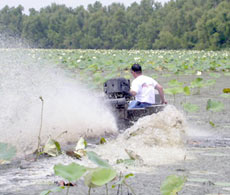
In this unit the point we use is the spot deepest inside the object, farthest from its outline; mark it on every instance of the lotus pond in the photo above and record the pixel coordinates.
(197, 83)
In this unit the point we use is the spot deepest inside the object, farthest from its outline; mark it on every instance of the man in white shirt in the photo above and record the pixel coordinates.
(143, 88)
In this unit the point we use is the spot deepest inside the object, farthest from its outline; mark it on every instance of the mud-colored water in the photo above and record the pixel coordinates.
(170, 142)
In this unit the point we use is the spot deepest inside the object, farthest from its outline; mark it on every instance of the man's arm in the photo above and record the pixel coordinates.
(133, 93)
(159, 88)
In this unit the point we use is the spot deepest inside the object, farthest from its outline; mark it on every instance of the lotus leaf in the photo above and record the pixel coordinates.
(97, 160)
(214, 106)
(99, 177)
(175, 83)
(52, 148)
(190, 107)
(172, 185)
(71, 172)
(123, 179)
(224, 95)
(187, 90)
(216, 75)
(81, 144)
(210, 82)
(58, 189)
(174, 91)
(198, 82)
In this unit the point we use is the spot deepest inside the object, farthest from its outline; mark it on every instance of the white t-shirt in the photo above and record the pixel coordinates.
(144, 86)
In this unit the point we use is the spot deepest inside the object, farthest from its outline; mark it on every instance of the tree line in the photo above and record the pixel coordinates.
(178, 24)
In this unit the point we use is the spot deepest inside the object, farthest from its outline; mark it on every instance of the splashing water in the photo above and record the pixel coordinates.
(155, 139)
(68, 106)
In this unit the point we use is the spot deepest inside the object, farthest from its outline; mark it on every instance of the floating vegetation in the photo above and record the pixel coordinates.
(226, 90)
(214, 106)
(172, 185)
(190, 107)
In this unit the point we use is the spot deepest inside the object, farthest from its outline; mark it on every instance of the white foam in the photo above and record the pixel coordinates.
(68, 105)
(157, 139)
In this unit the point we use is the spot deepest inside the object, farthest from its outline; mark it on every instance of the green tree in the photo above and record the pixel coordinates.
(11, 20)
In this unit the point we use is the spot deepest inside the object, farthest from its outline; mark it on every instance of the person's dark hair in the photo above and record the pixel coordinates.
(136, 68)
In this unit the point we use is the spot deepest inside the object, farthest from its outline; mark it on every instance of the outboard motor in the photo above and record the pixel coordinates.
(118, 95)
(117, 88)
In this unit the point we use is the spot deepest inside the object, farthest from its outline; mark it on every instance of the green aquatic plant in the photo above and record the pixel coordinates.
(210, 82)
(187, 90)
(175, 83)
(174, 91)
(119, 60)
(98, 177)
(80, 148)
(97, 160)
(166, 75)
(212, 123)
(197, 83)
(172, 185)
(57, 189)
(93, 177)
(7, 152)
(214, 106)
(40, 130)
(122, 181)
(226, 90)
(224, 95)
(216, 75)
(52, 148)
(101, 175)
(128, 161)
(190, 107)
(103, 140)
(71, 172)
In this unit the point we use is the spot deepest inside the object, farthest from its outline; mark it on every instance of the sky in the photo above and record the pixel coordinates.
(37, 4)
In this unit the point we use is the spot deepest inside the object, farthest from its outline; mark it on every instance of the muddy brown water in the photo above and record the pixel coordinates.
(206, 163)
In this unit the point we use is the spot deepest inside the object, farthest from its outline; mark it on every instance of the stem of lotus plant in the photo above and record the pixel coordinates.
(60, 135)
(40, 129)
(174, 99)
(198, 91)
(89, 190)
(68, 189)
(107, 190)
(129, 187)
(119, 185)
(118, 189)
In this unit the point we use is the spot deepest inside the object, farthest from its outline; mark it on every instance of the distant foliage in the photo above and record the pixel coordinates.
(178, 24)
